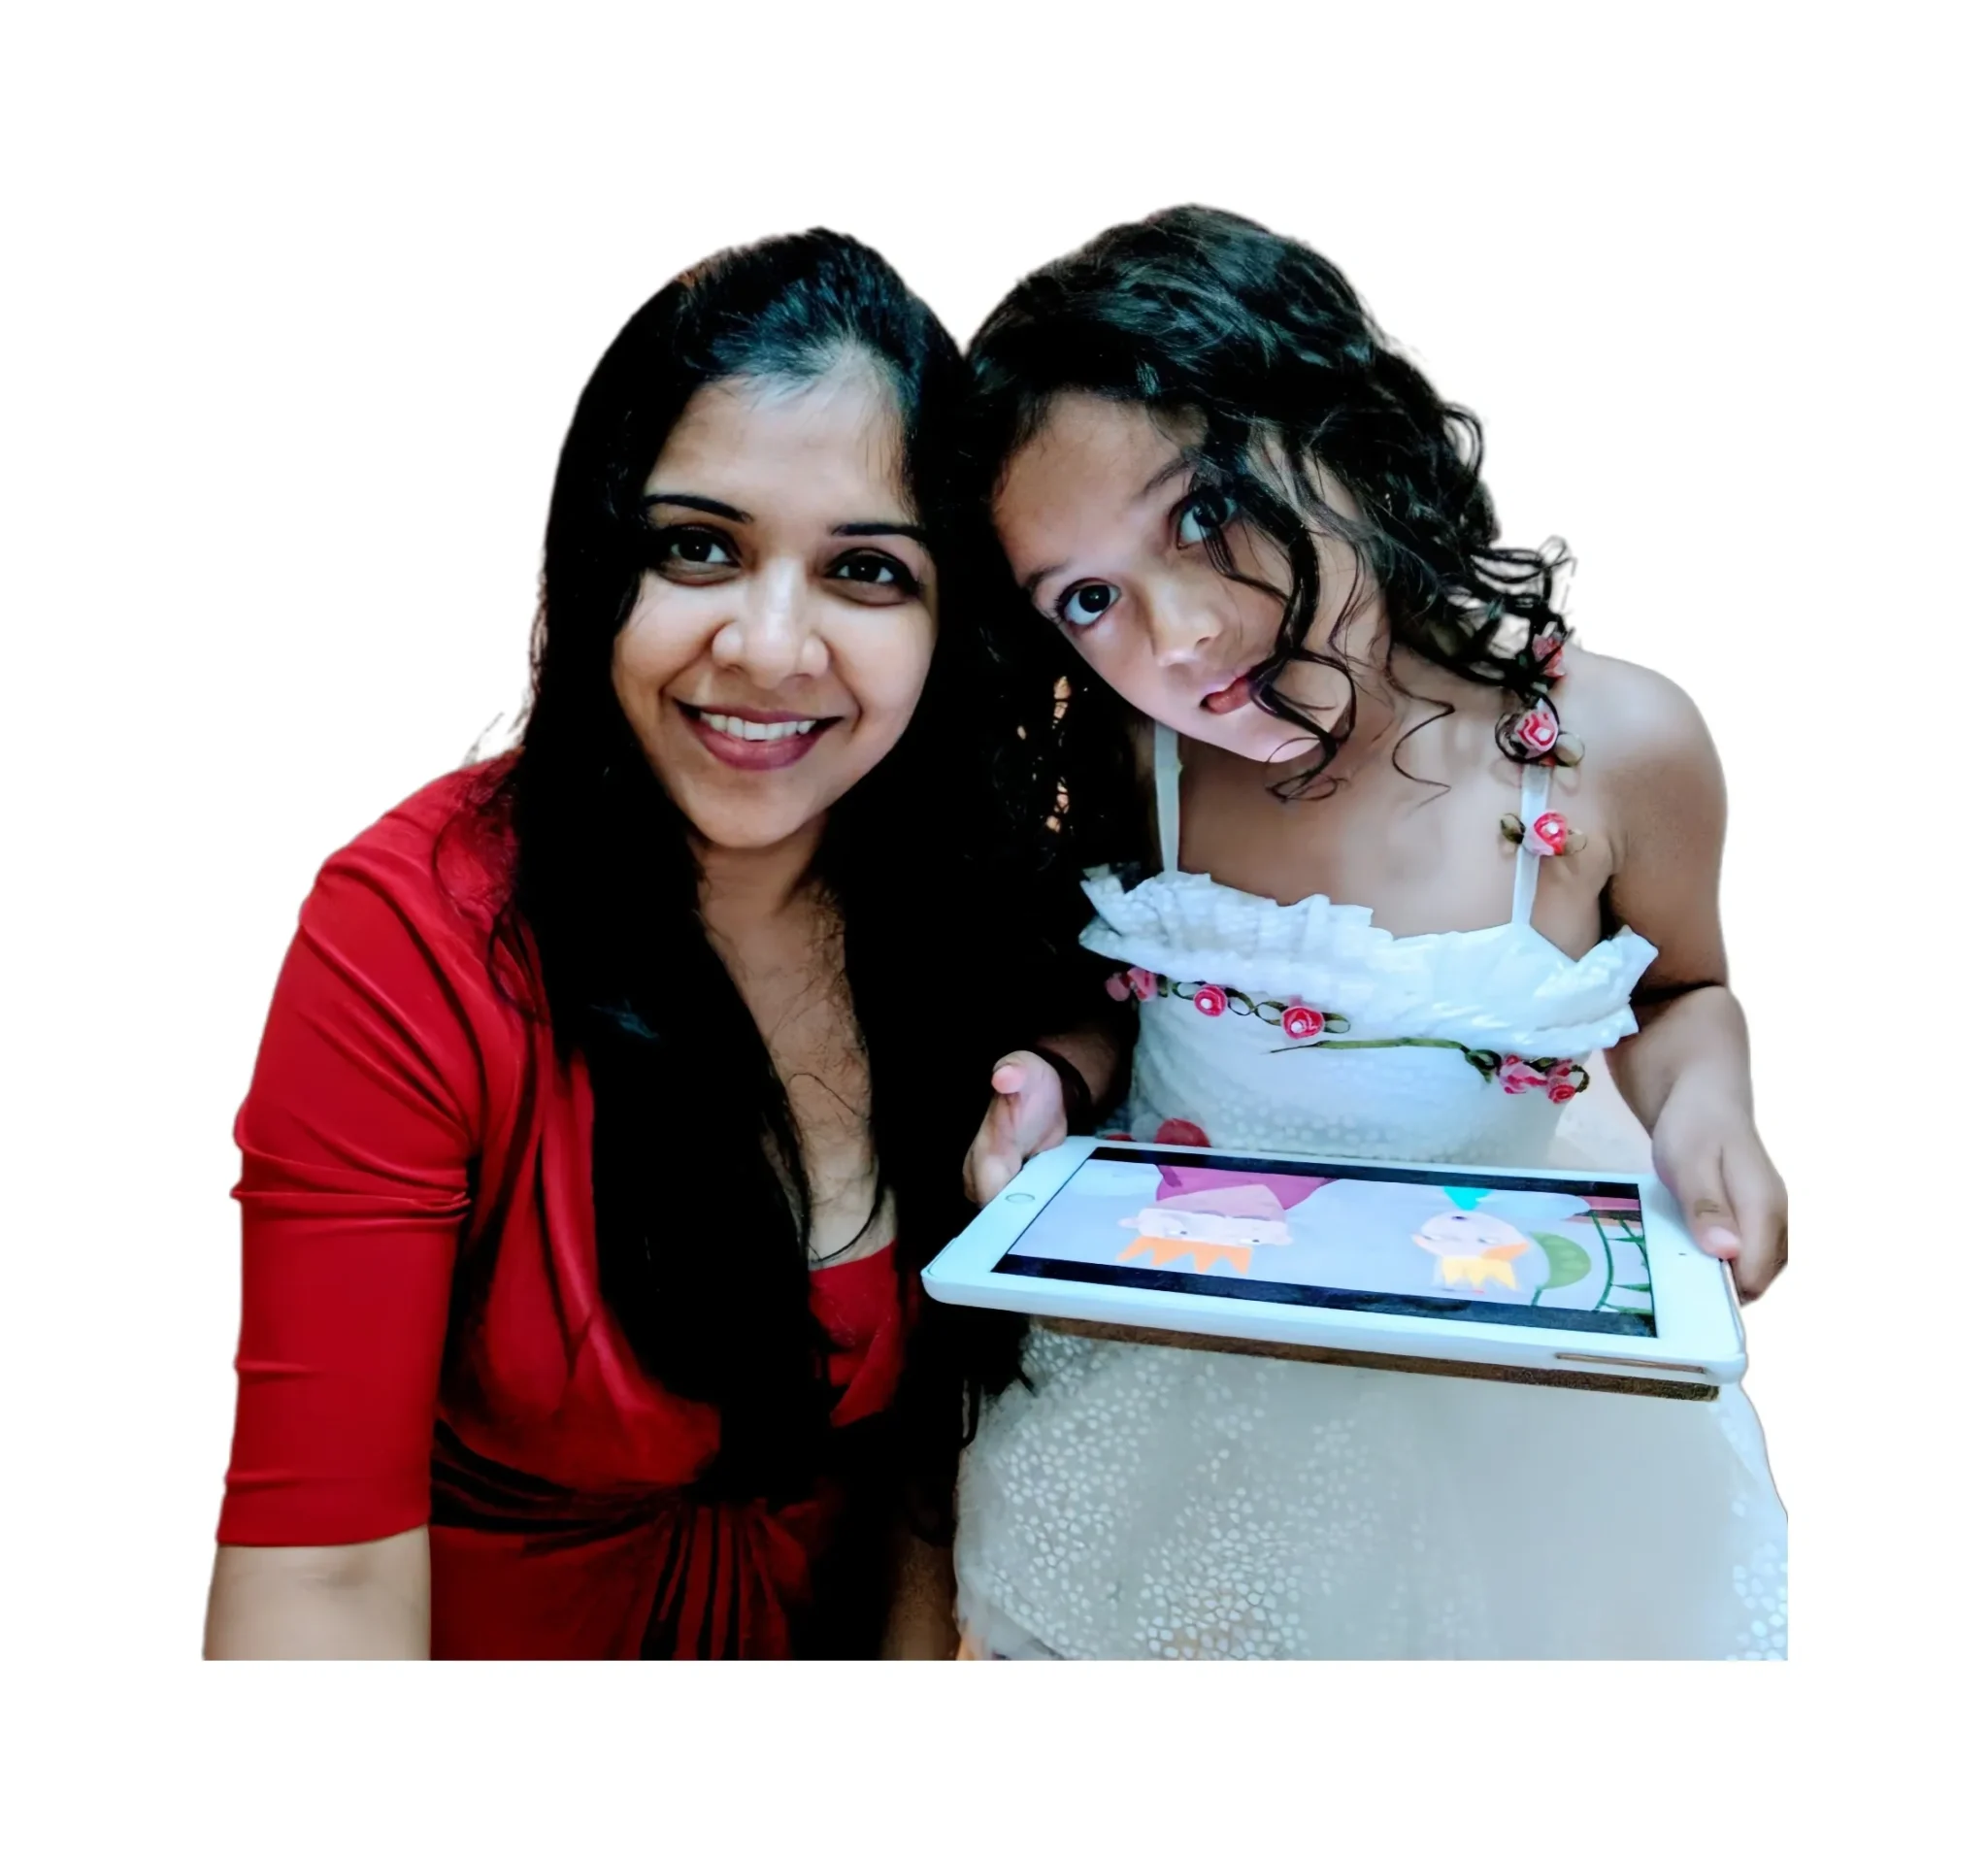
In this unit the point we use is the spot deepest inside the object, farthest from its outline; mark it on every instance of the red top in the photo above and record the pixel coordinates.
(424, 1338)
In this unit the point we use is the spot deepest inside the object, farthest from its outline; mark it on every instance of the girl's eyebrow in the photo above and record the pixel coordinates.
(1171, 469)
(909, 530)
(1042, 575)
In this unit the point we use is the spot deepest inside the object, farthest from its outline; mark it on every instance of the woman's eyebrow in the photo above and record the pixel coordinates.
(684, 499)
(910, 530)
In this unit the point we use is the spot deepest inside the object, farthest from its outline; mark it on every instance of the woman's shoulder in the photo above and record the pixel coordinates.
(436, 866)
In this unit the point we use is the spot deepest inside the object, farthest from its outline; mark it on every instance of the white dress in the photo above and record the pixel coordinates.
(1145, 1501)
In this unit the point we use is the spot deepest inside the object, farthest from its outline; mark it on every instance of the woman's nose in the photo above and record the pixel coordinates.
(771, 634)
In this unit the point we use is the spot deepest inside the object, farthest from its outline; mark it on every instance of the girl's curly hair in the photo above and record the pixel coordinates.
(1258, 347)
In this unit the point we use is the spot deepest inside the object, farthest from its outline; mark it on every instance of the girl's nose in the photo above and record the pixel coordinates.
(1182, 626)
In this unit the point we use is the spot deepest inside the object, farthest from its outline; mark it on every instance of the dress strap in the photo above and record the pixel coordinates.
(1536, 790)
(1167, 794)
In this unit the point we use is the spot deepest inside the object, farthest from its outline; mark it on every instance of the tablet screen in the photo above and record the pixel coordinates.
(1547, 1253)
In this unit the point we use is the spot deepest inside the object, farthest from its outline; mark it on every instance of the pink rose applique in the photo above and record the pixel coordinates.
(1566, 1081)
(1211, 1000)
(1548, 835)
(1119, 986)
(1548, 650)
(1537, 730)
(1145, 982)
(1562, 1079)
(1519, 1075)
(1302, 1022)
(1176, 1133)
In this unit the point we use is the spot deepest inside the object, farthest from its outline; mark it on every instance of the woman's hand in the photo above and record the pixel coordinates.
(1025, 1118)
(1710, 1156)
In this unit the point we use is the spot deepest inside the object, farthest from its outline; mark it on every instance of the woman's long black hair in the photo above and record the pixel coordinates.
(700, 1197)
(1257, 352)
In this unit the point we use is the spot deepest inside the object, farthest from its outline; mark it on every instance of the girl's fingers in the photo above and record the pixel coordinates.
(1760, 1204)
(1699, 1182)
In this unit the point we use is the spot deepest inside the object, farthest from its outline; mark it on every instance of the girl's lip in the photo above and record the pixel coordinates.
(1232, 695)
(737, 751)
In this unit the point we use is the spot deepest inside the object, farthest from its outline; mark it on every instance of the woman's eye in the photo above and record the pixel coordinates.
(1202, 517)
(696, 549)
(872, 571)
(1088, 603)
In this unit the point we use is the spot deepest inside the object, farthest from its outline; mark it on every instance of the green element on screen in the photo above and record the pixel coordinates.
(1567, 1262)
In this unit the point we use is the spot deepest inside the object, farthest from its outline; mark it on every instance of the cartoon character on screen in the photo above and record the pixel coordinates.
(1472, 1249)
(1214, 1214)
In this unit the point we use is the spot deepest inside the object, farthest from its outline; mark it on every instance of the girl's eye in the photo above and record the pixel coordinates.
(873, 569)
(1088, 603)
(1202, 518)
(696, 549)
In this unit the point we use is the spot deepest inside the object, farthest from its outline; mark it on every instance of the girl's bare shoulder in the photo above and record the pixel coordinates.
(1634, 723)
(1652, 771)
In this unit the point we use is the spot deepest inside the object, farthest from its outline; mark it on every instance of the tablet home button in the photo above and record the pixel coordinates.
(1021, 1199)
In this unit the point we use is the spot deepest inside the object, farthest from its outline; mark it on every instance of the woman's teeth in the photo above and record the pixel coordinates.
(749, 732)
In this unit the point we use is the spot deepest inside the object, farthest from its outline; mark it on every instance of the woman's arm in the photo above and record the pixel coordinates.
(1687, 1072)
(920, 1623)
(356, 1141)
(352, 1600)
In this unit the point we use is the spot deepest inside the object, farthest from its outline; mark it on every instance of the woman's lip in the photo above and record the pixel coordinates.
(735, 751)
(1232, 696)
(751, 716)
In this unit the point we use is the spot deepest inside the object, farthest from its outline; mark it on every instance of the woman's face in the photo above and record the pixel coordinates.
(777, 652)
(1106, 537)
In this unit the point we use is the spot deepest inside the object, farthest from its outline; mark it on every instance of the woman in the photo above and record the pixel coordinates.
(1324, 725)
(613, 1092)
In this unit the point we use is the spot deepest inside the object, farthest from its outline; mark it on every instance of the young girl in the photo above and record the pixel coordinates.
(1411, 859)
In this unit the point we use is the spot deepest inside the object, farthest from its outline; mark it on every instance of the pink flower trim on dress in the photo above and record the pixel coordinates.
(1537, 730)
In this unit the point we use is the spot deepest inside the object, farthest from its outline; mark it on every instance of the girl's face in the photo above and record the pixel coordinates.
(775, 652)
(1106, 538)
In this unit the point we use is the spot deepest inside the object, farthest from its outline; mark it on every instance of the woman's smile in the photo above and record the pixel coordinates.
(755, 739)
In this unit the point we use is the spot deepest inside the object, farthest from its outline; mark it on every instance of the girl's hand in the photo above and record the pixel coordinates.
(1714, 1161)
(1025, 1118)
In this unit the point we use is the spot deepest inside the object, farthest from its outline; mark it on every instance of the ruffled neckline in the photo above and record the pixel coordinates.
(1505, 985)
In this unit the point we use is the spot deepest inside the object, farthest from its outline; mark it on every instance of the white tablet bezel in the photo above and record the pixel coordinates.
(1701, 1342)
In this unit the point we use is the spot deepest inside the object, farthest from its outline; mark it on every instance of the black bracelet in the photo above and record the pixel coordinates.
(1079, 1111)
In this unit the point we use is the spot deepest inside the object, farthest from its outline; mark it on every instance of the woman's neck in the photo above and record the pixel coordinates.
(743, 887)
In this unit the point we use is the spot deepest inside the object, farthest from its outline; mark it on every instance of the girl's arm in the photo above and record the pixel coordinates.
(352, 1600)
(1031, 1105)
(1686, 1074)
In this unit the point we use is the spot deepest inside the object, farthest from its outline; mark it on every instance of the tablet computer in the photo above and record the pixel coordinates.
(1527, 1274)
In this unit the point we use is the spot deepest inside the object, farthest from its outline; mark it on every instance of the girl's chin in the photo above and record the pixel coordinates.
(1255, 737)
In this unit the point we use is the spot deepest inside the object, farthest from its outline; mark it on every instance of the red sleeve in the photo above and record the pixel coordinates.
(356, 1142)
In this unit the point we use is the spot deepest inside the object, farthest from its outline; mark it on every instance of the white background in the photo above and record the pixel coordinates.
(297, 304)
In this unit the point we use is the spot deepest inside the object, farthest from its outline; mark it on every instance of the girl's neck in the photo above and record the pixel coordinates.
(1402, 694)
